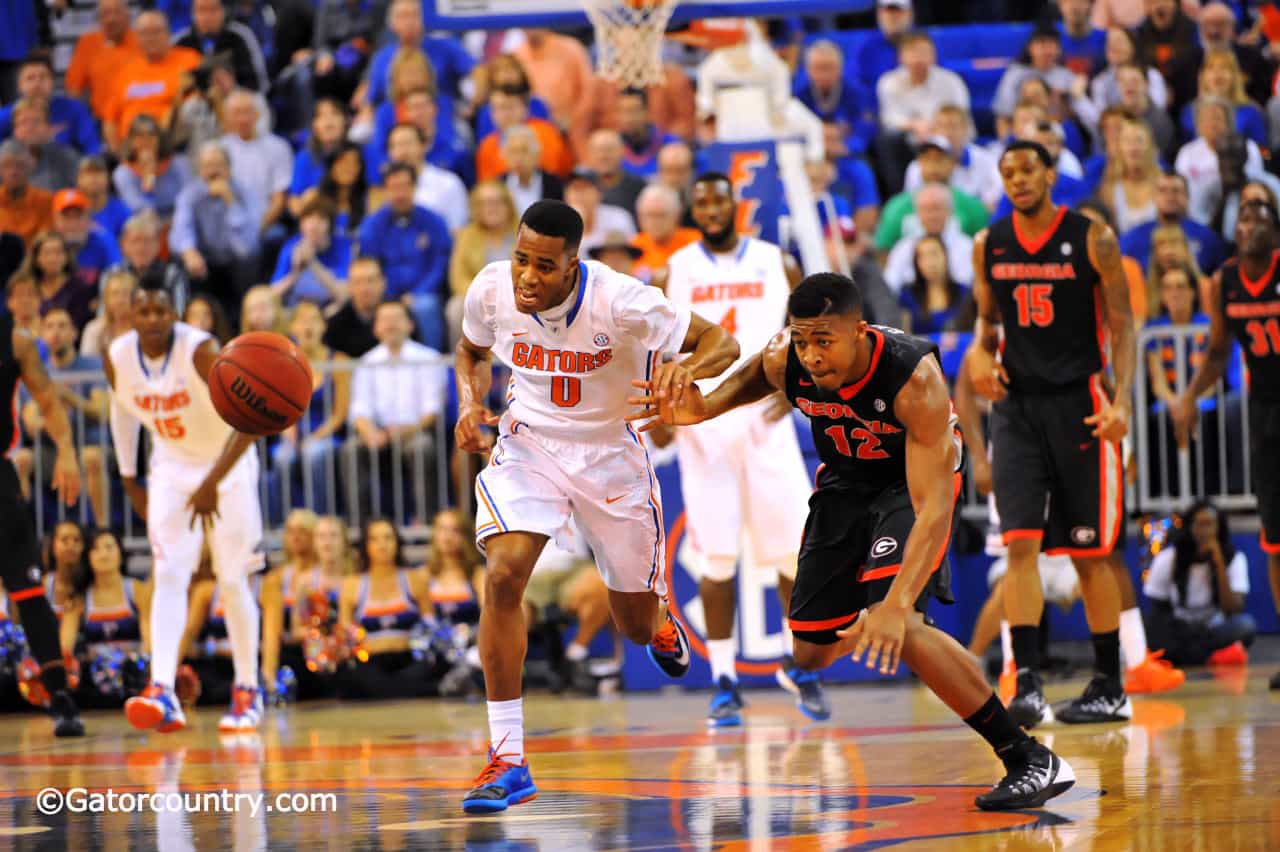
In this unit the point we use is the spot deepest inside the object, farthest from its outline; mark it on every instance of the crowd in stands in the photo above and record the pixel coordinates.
(342, 175)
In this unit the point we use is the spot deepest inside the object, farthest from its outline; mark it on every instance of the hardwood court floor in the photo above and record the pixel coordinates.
(1198, 769)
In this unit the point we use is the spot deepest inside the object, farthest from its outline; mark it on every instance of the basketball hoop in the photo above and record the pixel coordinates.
(629, 39)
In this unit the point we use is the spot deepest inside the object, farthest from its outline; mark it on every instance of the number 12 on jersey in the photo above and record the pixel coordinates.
(868, 448)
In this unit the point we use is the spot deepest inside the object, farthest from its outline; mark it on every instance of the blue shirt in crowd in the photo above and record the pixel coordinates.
(413, 250)
(308, 171)
(1205, 244)
(451, 62)
(854, 109)
(99, 252)
(308, 288)
(1083, 55)
(69, 119)
(112, 216)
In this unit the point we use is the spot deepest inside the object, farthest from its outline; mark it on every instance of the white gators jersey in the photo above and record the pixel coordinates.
(170, 400)
(571, 379)
(745, 292)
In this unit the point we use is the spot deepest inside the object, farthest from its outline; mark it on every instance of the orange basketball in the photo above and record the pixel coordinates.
(260, 383)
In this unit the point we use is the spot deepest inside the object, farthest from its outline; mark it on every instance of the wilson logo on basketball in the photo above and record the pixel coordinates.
(255, 401)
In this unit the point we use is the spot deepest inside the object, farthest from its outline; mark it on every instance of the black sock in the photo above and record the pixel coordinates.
(1026, 646)
(995, 725)
(1106, 649)
(41, 627)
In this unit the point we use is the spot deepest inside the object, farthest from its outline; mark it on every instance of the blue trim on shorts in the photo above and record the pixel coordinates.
(492, 504)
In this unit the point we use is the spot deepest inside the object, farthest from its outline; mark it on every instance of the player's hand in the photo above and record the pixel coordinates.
(1111, 423)
(986, 373)
(655, 412)
(469, 433)
(204, 503)
(66, 476)
(1184, 413)
(670, 381)
(981, 474)
(879, 632)
(778, 408)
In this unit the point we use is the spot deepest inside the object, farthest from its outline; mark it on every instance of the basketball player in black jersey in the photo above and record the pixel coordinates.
(1244, 303)
(19, 551)
(879, 526)
(1049, 287)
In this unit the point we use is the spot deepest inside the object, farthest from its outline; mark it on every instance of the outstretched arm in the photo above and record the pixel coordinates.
(712, 350)
(66, 470)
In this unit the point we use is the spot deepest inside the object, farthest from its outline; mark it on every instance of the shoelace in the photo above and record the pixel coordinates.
(496, 766)
(1026, 779)
(667, 641)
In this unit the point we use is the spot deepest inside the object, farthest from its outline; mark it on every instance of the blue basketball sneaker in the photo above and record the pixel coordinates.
(726, 704)
(157, 708)
(500, 785)
(669, 648)
(806, 687)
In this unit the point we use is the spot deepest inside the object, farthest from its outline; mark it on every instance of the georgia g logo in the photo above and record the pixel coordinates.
(883, 547)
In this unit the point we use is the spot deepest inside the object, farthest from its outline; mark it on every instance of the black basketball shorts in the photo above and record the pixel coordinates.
(19, 550)
(851, 552)
(1264, 468)
(1053, 480)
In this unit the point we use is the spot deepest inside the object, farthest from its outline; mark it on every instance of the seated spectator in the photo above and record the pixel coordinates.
(559, 70)
(216, 226)
(937, 162)
(934, 302)
(510, 108)
(95, 250)
(605, 157)
(658, 212)
(211, 33)
(99, 55)
(642, 136)
(433, 115)
(410, 72)
(1177, 291)
(455, 570)
(440, 191)
(1083, 44)
(675, 171)
(262, 163)
(25, 210)
(22, 301)
(344, 187)
(909, 96)
(1104, 90)
(206, 314)
(525, 180)
(311, 445)
(617, 253)
(1129, 183)
(350, 330)
(1218, 30)
(1166, 41)
(450, 62)
(140, 242)
(1041, 58)
(94, 181)
(835, 98)
(878, 54)
(200, 116)
(328, 132)
(343, 38)
(50, 263)
(582, 193)
(261, 310)
(398, 393)
(488, 236)
(1220, 77)
(70, 122)
(412, 245)
(1135, 99)
(1169, 250)
(503, 71)
(149, 84)
(312, 266)
(1171, 201)
(975, 171)
(55, 164)
(932, 218)
(849, 182)
(1096, 211)
(1197, 586)
(1234, 174)
(116, 317)
(150, 175)
(1034, 90)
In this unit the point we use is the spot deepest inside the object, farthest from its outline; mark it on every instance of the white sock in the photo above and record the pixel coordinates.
(1133, 638)
(1006, 644)
(242, 628)
(168, 621)
(506, 728)
(721, 652)
(575, 653)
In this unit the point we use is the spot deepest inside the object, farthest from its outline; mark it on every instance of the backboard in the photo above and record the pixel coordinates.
(567, 14)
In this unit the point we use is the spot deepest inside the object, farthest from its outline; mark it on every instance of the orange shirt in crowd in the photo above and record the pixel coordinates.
(670, 108)
(657, 254)
(555, 157)
(559, 73)
(1137, 290)
(149, 88)
(94, 65)
(28, 215)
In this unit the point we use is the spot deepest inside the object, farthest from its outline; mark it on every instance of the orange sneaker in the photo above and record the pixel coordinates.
(1007, 687)
(1154, 674)
(1232, 655)
(156, 708)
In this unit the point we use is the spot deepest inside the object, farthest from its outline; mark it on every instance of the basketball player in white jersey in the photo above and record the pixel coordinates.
(200, 482)
(742, 474)
(575, 334)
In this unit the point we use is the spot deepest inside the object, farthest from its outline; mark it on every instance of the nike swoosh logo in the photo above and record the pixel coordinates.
(519, 333)
(803, 383)
(1086, 446)
(997, 251)
(612, 500)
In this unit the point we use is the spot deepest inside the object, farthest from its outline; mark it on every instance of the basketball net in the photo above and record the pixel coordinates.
(629, 39)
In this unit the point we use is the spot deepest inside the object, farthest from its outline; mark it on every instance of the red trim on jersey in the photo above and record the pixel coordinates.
(824, 624)
(26, 594)
(1255, 288)
(1267, 547)
(1015, 535)
(1033, 246)
(850, 391)
(878, 573)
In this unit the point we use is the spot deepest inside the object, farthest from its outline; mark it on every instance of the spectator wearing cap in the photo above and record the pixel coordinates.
(93, 248)
(617, 252)
(312, 266)
(582, 193)
(878, 54)
(977, 169)
(510, 108)
(412, 246)
(937, 163)
(1172, 200)
(932, 217)
(55, 164)
(150, 175)
(152, 82)
(1083, 45)
(69, 120)
(25, 210)
(834, 96)
(440, 191)
(908, 96)
(658, 212)
(211, 34)
(1041, 58)
(99, 53)
(525, 179)
(1167, 41)
(140, 249)
(93, 180)
(604, 157)
(261, 162)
